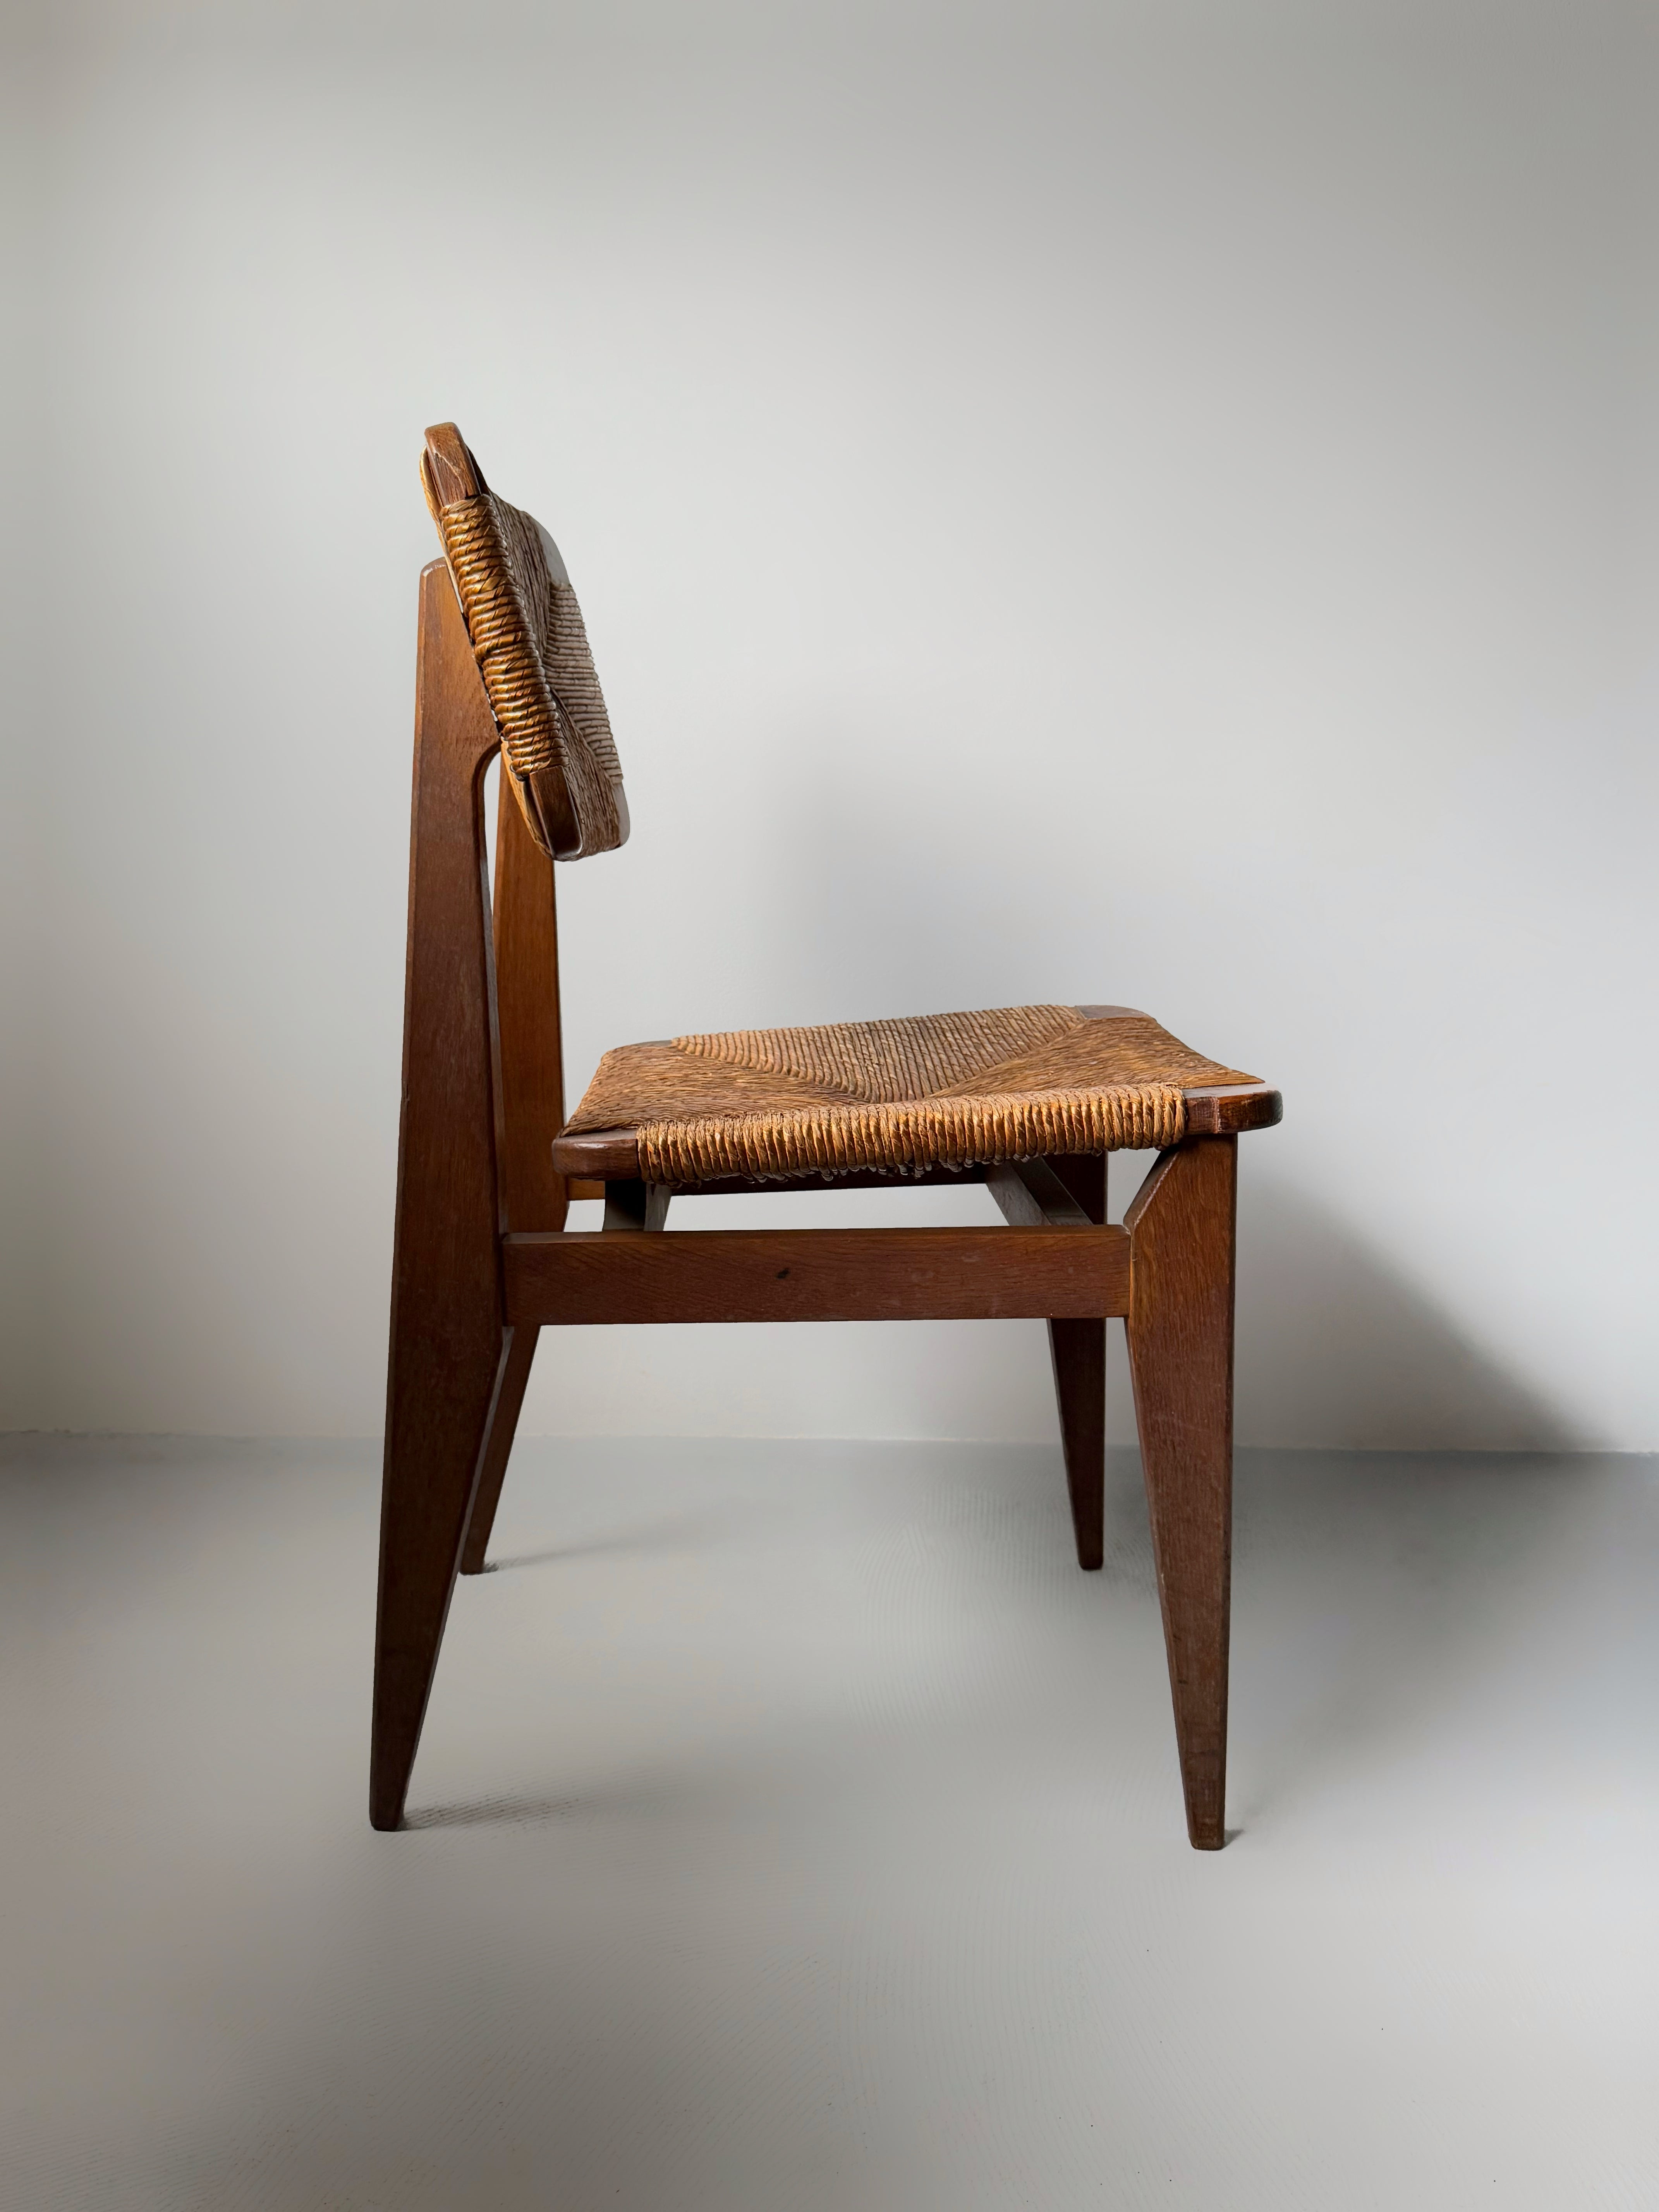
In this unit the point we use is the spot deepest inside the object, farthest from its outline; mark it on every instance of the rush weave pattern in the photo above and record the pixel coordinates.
(531, 645)
(890, 1060)
(928, 1090)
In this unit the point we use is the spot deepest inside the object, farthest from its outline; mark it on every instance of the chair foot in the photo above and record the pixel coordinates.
(1181, 1356)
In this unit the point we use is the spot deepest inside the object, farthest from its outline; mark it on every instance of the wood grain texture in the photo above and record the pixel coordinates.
(447, 1326)
(529, 1109)
(818, 1275)
(532, 1094)
(1030, 1196)
(521, 1355)
(1181, 1228)
(451, 470)
(1229, 1109)
(1076, 1353)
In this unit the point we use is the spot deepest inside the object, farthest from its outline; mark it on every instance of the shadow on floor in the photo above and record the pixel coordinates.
(678, 1532)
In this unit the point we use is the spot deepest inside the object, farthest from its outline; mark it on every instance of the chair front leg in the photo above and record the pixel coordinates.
(1181, 1356)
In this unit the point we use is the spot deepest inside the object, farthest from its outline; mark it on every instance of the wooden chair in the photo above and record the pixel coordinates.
(1027, 1100)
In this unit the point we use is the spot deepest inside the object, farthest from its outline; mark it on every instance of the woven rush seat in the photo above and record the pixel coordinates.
(903, 1095)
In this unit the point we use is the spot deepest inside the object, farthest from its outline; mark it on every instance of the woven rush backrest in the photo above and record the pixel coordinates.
(532, 649)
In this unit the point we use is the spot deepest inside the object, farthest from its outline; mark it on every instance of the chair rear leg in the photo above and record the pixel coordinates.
(498, 1445)
(1078, 1350)
(1181, 1357)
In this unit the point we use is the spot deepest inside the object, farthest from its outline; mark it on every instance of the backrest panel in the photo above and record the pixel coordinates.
(530, 646)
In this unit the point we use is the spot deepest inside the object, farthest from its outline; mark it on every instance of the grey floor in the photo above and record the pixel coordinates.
(796, 1828)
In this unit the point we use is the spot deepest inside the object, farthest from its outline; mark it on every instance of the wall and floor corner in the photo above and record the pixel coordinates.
(1146, 504)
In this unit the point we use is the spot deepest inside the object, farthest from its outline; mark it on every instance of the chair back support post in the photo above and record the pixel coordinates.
(449, 1336)
(531, 1064)
(530, 1112)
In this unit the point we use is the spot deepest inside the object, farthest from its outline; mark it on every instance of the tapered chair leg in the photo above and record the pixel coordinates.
(1079, 1351)
(498, 1446)
(1181, 1356)
(434, 1455)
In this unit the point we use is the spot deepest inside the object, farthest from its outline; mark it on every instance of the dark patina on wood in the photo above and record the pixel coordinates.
(483, 1261)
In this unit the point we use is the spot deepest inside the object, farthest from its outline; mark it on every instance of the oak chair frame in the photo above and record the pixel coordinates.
(482, 1260)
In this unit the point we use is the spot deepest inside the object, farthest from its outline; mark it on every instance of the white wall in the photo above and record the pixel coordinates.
(1145, 503)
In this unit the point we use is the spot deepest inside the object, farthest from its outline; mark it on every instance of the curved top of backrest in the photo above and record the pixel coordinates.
(531, 650)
